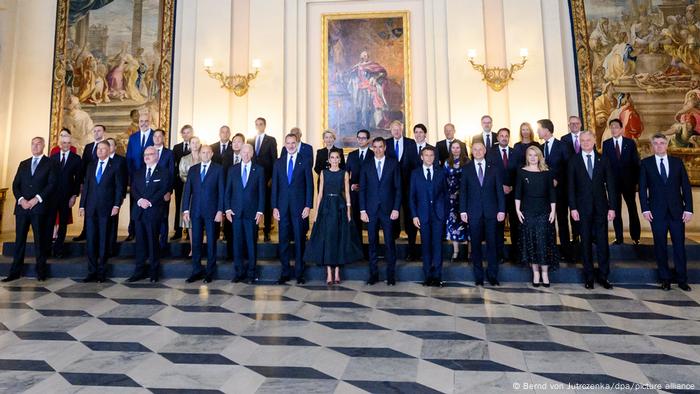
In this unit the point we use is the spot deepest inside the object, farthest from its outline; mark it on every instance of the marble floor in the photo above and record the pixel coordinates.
(65, 336)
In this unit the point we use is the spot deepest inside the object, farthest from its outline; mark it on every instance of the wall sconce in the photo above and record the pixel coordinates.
(237, 83)
(497, 77)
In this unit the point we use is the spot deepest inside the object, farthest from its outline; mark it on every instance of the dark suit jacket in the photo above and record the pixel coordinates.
(120, 163)
(520, 149)
(167, 162)
(295, 196)
(380, 196)
(134, 151)
(495, 158)
(674, 196)
(179, 153)
(626, 168)
(98, 199)
(69, 180)
(354, 166)
(591, 197)
(481, 201)
(568, 142)
(245, 202)
(42, 183)
(89, 154)
(153, 191)
(267, 155)
(322, 159)
(480, 137)
(557, 161)
(204, 199)
(444, 150)
(429, 199)
(218, 158)
(305, 150)
(409, 161)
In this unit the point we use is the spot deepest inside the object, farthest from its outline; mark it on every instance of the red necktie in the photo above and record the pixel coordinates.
(505, 158)
(617, 149)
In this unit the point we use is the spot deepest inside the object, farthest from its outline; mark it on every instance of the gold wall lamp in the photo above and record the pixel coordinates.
(497, 77)
(237, 83)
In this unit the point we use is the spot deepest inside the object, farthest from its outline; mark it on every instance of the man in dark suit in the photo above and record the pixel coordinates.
(149, 186)
(430, 207)
(292, 199)
(234, 157)
(90, 154)
(404, 150)
(67, 189)
(119, 162)
(420, 135)
(623, 156)
(33, 187)
(245, 204)
(203, 206)
(487, 137)
(305, 150)
(572, 143)
(356, 159)
(101, 199)
(380, 201)
(667, 203)
(556, 155)
(166, 162)
(179, 151)
(482, 204)
(591, 198)
(265, 156)
(223, 146)
(138, 142)
(503, 157)
(443, 146)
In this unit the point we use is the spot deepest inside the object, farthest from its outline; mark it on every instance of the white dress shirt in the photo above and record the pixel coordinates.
(38, 197)
(144, 136)
(658, 163)
(425, 172)
(483, 166)
(104, 165)
(362, 153)
(585, 159)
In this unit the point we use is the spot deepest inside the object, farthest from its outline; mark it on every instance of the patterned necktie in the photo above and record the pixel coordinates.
(589, 166)
(577, 146)
(203, 173)
(236, 160)
(481, 175)
(664, 174)
(505, 157)
(98, 177)
(488, 140)
(148, 175)
(245, 175)
(379, 169)
(617, 149)
(290, 170)
(35, 163)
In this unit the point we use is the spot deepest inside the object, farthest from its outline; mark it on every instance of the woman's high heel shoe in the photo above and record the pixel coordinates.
(337, 281)
(535, 284)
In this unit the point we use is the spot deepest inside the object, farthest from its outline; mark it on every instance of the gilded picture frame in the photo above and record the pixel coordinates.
(366, 73)
(151, 53)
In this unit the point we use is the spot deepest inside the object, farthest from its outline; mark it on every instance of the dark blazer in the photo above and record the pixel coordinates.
(675, 196)
(267, 155)
(354, 166)
(42, 183)
(591, 197)
(481, 201)
(69, 180)
(153, 191)
(429, 199)
(134, 151)
(305, 150)
(167, 162)
(204, 199)
(409, 158)
(99, 199)
(245, 202)
(179, 153)
(380, 196)
(444, 150)
(322, 159)
(120, 163)
(218, 158)
(557, 161)
(520, 148)
(298, 194)
(495, 158)
(626, 168)
(480, 137)
(89, 154)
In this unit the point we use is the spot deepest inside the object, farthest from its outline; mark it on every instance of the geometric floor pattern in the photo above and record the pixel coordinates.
(170, 337)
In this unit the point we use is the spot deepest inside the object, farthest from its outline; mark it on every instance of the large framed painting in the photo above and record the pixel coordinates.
(112, 63)
(366, 73)
(638, 60)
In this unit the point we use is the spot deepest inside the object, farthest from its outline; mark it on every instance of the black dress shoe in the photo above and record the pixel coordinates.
(438, 283)
(10, 278)
(494, 282)
(101, 278)
(237, 279)
(301, 281)
(427, 282)
(372, 280)
(90, 278)
(208, 278)
(79, 238)
(129, 238)
(136, 277)
(589, 284)
(479, 282)
(266, 238)
(684, 286)
(41, 277)
(283, 280)
(177, 236)
(195, 277)
(617, 242)
(666, 286)
(154, 279)
(391, 282)
(606, 285)
(250, 281)
(636, 242)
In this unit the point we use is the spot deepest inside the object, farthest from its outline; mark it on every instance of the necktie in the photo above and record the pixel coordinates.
(420, 149)
(379, 169)
(396, 149)
(257, 144)
(223, 148)
(362, 157)
(94, 148)
(203, 173)
(429, 176)
(505, 157)
(664, 174)
(236, 160)
(481, 175)
(577, 146)
(290, 169)
(245, 175)
(186, 149)
(617, 149)
(98, 177)
(148, 175)
(143, 140)
(488, 140)
(546, 150)
(35, 163)
(589, 166)
(63, 159)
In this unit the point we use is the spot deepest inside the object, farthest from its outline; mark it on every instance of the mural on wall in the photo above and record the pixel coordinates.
(639, 61)
(112, 62)
(366, 73)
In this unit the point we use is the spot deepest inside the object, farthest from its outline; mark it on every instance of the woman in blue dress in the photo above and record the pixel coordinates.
(457, 230)
(334, 240)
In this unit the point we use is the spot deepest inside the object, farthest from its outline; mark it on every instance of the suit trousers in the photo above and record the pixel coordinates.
(514, 224)
(39, 224)
(481, 229)
(199, 226)
(147, 245)
(563, 221)
(292, 222)
(178, 203)
(630, 197)
(375, 221)
(594, 226)
(431, 236)
(98, 235)
(244, 231)
(63, 213)
(660, 227)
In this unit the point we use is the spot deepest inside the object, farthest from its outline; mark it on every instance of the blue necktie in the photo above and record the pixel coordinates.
(488, 140)
(143, 140)
(257, 145)
(664, 174)
(589, 166)
(98, 177)
(379, 169)
(35, 163)
(481, 175)
(148, 175)
(203, 173)
(396, 149)
(290, 169)
(245, 175)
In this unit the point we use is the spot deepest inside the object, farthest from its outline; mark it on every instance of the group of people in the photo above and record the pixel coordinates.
(442, 192)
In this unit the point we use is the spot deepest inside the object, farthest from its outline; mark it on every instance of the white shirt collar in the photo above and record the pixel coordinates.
(206, 164)
(425, 168)
(665, 157)
(111, 156)
(363, 150)
(584, 154)
(618, 139)
(153, 167)
(146, 133)
(37, 157)
(377, 160)
(476, 162)
(421, 145)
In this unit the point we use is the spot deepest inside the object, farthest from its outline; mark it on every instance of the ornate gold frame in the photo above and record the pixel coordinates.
(583, 62)
(59, 67)
(405, 15)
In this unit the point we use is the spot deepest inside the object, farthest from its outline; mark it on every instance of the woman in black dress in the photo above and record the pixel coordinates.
(527, 139)
(535, 204)
(334, 240)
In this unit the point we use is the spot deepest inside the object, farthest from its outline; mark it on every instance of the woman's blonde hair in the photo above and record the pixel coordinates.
(198, 141)
(541, 164)
(529, 126)
(328, 131)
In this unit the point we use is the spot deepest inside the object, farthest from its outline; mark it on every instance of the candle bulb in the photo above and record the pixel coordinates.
(471, 53)
(208, 62)
(523, 52)
(257, 63)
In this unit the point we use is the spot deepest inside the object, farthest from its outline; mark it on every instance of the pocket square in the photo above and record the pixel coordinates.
(156, 180)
